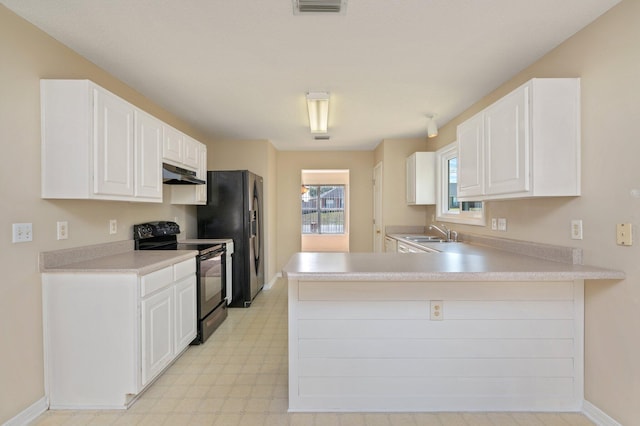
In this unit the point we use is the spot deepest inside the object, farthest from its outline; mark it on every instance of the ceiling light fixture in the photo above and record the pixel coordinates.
(318, 106)
(432, 126)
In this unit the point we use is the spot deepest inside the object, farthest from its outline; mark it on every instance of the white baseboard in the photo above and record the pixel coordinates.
(598, 416)
(29, 414)
(270, 284)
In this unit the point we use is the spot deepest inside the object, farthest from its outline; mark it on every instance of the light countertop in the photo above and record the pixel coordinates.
(137, 262)
(117, 257)
(460, 262)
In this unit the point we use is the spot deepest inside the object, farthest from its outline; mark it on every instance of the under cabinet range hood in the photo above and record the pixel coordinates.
(174, 175)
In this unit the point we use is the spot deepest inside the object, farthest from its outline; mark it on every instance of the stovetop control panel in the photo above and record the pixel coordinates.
(155, 229)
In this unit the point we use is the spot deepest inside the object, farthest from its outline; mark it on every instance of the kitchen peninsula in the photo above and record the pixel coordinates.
(466, 328)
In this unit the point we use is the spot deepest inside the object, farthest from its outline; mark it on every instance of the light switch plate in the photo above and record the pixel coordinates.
(624, 234)
(502, 224)
(113, 226)
(22, 232)
(494, 224)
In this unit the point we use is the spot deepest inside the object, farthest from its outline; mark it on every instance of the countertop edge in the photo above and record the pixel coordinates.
(455, 276)
(146, 262)
(475, 264)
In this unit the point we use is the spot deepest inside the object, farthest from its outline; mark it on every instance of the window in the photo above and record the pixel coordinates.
(323, 209)
(448, 208)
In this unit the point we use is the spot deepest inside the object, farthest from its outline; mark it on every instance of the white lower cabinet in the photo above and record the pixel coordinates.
(157, 333)
(408, 248)
(107, 336)
(390, 245)
(185, 311)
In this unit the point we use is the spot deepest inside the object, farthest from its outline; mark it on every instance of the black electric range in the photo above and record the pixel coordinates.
(211, 303)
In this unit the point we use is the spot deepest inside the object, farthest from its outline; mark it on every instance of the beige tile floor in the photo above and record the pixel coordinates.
(239, 377)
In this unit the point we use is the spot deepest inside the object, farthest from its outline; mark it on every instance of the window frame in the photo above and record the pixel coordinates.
(319, 209)
(443, 214)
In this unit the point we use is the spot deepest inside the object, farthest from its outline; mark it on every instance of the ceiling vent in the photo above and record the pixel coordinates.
(322, 137)
(303, 7)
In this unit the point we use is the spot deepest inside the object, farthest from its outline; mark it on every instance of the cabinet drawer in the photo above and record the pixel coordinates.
(185, 268)
(156, 280)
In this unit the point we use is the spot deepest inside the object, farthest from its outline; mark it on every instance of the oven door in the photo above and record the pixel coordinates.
(211, 281)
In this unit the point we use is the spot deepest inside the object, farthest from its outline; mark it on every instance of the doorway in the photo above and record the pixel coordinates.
(324, 209)
(378, 234)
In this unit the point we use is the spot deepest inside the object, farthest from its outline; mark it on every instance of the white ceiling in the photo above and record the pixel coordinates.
(239, 69)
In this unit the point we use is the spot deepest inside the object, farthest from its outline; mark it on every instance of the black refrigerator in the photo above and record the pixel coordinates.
(234, 210)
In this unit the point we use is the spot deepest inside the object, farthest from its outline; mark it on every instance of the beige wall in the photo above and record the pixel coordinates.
(258, 156)
(290, 166)
(607, 58)
(393, 154)
(28, 55)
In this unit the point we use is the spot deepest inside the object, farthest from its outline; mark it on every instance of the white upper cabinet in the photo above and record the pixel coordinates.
(193, 194)
(191, 152)
(90, 145)
(526, 144)
(470, 153)
(181, 150)
(421, 178)
(201, 190)
(148, 136)
(113, 144)
(173, 146)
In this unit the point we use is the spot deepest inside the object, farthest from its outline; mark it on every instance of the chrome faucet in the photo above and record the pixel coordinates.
(444, 231)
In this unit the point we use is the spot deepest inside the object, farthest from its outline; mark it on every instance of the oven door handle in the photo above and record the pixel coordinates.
(213, 254)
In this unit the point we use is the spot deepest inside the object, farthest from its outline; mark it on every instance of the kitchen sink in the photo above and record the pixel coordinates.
(425, 239)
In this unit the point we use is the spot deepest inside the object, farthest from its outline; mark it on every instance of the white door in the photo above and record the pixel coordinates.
(470, 157)
(378, 235)
(157, 333)
(148, 158)
(186, 315)
(113, 145)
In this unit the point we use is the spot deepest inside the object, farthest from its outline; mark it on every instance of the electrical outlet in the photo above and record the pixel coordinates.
(63, 230)
(623, 234)
(576, 229)
(437, 310)
(113, 226)
(502, 224)
(494, 224)
(22, 232)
